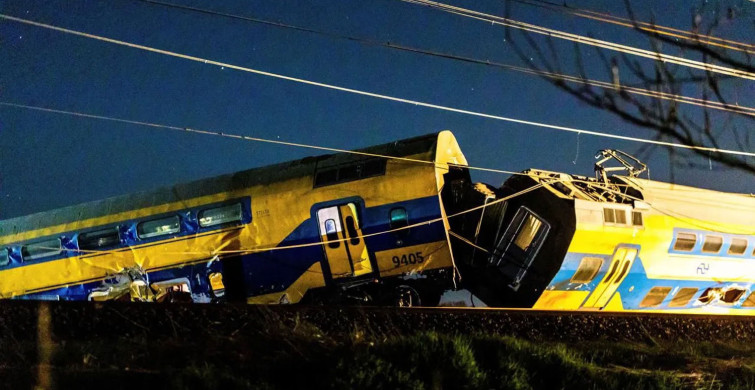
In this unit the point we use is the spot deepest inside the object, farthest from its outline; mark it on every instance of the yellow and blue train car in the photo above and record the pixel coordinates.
(622, 244)
(339, 227)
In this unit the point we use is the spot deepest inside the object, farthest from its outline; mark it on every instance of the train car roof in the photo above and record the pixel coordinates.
(716, 207)
(420, 148)
(714, 210)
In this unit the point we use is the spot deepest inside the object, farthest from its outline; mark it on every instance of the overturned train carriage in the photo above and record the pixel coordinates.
(613, 243)
(359, 228)
(335, 228)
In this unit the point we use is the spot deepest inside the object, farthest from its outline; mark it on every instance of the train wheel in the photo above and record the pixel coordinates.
(407, 296)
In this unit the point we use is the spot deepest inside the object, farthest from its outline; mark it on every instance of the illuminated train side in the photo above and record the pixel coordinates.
(361, 229)
(576, 243)
(308, 229)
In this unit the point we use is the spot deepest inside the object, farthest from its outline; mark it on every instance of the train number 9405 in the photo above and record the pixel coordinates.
(407, 259)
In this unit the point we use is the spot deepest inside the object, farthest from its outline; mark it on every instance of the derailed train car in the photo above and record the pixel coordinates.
(609, 243)
(279, 234)
(362, 229)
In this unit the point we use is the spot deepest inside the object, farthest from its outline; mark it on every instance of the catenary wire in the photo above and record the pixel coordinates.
(641, 25)
(302, 145)
(376, 95)
(552, 75)
(584, 39)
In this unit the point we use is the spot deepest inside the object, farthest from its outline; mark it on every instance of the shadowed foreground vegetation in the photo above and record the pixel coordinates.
(272, 351)
(420, 361)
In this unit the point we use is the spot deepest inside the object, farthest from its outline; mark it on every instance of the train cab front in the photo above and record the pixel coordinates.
(512, 243)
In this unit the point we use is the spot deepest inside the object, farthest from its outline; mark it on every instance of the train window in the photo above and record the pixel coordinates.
(655, 297)
(4, 257)
(349, 172)
(637, 218)
(738, 246)
(399, 218)
(609, 216)
(41, 249)
(220, 215)
(324, 178)
(351, 229)
(158, 227)
(519, 245)
(588, 268)
(732, 295)
(373, 168)
(617, 216)
(331, 233)
(710, 295)
(712, 244)
(527, 234)
(750, 301)
(99, 239)
(685, 242)
(683, 297)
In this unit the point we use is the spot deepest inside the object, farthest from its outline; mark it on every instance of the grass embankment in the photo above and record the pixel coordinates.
(221, 347)
(305, 358)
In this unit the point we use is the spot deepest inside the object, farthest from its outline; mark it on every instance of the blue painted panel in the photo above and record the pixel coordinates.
(636, 285)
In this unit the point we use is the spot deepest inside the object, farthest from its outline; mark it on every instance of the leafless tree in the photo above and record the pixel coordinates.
(665, 117)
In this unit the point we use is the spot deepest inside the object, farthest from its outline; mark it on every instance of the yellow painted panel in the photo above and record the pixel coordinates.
(615, 303)
(434, 255)
(560, 300)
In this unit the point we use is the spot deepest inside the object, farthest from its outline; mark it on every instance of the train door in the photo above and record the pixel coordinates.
(618, 270)
(519, 245)
(341, 234)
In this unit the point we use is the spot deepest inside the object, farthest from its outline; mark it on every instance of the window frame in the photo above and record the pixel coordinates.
(676, 299)
(615, 212)
(641, 218)
(51, 253)
(115, 229)
(580, 268)
(349, 171)
(744, 248)
(651, 298)
(706, 242)
(678, 236)
(158, 234)
(4, 260)
(214, 224)
(510, 235)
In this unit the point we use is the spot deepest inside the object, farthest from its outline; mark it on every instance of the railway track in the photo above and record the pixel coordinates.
(81, 321)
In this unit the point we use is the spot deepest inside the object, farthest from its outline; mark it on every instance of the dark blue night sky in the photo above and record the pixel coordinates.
(50, 160)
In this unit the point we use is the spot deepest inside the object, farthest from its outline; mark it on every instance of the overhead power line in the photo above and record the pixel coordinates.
(354, 152)
(376, 95)
(644, 26)
(551, 75)
(298, 144)
(585, 40)
(243, 137)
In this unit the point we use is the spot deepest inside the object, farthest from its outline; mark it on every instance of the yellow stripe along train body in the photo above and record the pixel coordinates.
(359, 228)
